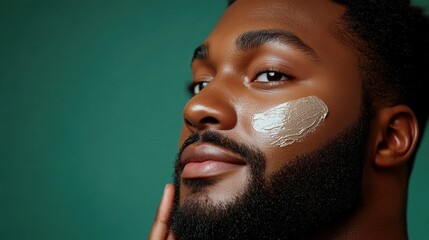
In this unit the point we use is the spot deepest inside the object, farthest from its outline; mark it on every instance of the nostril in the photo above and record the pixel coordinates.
(209, 120)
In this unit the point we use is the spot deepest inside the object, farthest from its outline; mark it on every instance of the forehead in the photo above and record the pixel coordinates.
(318, 12)
(316, 22)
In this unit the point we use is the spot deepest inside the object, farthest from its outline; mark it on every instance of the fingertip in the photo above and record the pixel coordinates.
(166, 203)
(160, 228)
(168, 193)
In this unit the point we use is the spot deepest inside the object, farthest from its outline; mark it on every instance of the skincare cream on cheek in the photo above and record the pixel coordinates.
(291, 121)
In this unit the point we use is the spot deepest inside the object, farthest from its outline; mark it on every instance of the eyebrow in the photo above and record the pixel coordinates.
(201, 52)
(251, 40)
(254, 39)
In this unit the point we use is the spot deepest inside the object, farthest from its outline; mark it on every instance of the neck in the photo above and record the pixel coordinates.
(383, 212)
(369, 227)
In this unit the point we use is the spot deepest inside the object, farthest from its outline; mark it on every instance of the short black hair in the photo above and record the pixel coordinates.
(392, 37)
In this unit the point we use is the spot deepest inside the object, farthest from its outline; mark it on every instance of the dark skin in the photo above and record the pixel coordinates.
(239, 86)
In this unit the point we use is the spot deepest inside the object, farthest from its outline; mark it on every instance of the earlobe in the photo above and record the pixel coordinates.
(397, 136)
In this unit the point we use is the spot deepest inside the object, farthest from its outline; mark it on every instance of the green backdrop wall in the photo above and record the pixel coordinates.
(91, 94)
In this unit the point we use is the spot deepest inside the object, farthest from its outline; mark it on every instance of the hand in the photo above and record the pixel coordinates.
(160, 228)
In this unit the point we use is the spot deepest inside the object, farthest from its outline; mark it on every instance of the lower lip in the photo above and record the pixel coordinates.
(207, 169)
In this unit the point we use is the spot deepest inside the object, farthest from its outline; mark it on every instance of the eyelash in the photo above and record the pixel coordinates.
(190, 86)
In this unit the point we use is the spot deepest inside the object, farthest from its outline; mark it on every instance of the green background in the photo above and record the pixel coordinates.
(91, 94)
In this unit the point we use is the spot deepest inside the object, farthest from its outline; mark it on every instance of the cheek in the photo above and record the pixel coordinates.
(290, 122)
(185, 133)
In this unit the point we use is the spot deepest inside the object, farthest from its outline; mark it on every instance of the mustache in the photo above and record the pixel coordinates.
(250, 154)
(218, 140)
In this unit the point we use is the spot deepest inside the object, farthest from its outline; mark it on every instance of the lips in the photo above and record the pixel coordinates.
(207, 160)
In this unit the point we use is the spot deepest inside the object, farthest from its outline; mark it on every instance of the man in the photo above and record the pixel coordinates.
(304, 123)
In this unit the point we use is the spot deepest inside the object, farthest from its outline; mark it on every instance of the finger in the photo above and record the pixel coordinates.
(160, 227)
(170, 237)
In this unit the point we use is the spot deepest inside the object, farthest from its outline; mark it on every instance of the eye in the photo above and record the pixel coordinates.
(196, 87)
(199, 86)
(272, 76)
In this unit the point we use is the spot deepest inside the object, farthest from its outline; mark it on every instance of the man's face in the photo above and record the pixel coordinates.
(275, 89)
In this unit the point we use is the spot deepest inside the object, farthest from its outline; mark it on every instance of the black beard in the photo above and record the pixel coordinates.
(313, 193)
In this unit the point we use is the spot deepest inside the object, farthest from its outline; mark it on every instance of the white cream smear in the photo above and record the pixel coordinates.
(291, 121)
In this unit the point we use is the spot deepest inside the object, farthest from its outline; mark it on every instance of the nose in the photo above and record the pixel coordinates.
(212, 108)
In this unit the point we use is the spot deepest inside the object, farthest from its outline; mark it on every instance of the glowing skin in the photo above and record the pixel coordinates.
(305, 42)
(233, 76)
(291, 121)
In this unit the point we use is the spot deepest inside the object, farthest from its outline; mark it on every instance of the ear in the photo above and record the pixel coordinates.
(396, 136)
